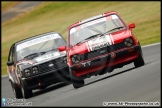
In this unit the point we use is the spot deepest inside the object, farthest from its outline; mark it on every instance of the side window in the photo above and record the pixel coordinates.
(59, 42)
(11, 55)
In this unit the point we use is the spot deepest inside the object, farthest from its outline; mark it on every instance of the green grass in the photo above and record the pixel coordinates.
(57, 16)
(5, 5)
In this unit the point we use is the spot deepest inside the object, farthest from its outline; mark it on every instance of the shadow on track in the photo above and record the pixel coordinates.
(116, 74)
(48, 89)
(60, 85)
(110, 76)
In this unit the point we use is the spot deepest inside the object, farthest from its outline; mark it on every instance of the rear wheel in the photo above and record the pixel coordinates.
(77, 83)
(16, 90)
(139, 61)
(27, 93)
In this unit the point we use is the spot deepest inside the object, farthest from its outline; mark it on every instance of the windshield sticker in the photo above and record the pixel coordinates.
(36, 41)
(100, 42)
(27, 62)
(47, 57)
(109, 17)
(87, 24)
(72, 30)
(78, 28)
(93, 22)
(114, 17)
(91, 18)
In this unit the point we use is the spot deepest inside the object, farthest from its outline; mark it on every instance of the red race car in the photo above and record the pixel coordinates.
(100, 44)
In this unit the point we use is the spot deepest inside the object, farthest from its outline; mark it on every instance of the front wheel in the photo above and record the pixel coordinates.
(139, 61)
(27, 93)
(16, 90)
(77, 83)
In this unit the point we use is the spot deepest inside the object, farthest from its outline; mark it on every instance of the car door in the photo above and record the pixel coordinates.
(11, 67)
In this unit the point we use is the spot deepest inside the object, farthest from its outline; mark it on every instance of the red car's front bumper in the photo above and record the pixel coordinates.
(92, 65)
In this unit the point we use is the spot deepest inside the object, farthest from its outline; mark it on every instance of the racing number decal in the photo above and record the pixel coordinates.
(77, 28)
(108, 18)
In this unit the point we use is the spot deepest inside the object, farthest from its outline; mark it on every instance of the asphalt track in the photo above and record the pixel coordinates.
(127, 84)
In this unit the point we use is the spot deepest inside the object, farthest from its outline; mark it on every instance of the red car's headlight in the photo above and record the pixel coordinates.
(128, 42)
(76, 58)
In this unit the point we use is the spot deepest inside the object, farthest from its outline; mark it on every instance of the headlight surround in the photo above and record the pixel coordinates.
(64, 60)
(128, 42)
(35, 70)
(76, 58)
(27, 72)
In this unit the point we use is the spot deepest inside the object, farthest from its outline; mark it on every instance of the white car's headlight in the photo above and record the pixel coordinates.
(35, 70)
(128, 42)
(27, 72)
(64, 59)
(76, 58)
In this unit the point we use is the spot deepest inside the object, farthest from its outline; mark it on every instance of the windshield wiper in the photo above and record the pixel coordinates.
(43, 52)
(88, 38)
(30, 55)
(112, 30)
(51, 50)
(100, 34)
(38, 53)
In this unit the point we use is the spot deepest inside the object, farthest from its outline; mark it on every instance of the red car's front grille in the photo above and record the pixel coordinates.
(102, 51)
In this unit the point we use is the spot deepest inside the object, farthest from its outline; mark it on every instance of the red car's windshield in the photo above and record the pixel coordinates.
(107, 24)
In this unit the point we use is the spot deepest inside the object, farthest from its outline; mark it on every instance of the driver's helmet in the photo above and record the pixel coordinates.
(24, 52)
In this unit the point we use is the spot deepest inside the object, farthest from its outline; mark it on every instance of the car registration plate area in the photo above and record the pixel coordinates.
(99, 43)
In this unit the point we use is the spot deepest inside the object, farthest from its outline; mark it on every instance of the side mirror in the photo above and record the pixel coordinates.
(132, 25)
(9, 63)
(62, 48)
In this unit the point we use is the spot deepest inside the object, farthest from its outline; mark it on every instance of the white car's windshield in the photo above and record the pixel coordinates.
(39, 45)
(89, 29)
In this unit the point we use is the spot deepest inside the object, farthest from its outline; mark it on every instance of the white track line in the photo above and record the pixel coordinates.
(142, 47)
(151, 44)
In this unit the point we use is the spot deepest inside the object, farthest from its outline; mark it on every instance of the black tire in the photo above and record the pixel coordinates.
(139, 61)
(27, 93)
(16, 90)
(77, 83)
(64, 76)
(43, 87)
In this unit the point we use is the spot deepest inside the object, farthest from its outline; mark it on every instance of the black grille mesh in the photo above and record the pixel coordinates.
(102, 51)
(58, 63)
